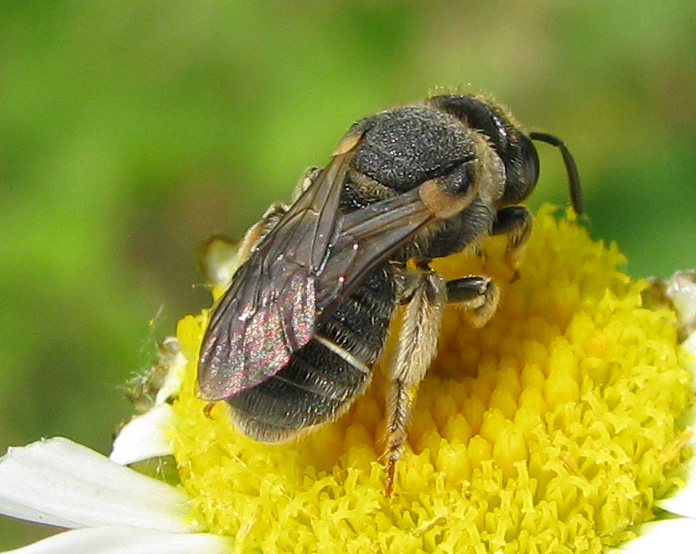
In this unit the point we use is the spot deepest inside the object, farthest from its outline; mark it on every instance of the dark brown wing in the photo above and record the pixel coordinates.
(302, 270)
(270, 309)
(367, 237)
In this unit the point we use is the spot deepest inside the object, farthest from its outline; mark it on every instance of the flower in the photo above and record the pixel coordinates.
(550, 429)
(110, 508)
(563, 425)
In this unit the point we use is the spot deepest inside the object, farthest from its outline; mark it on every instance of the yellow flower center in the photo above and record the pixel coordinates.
(551, 429)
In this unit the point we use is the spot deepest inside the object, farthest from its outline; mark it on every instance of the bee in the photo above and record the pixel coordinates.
(291, 343)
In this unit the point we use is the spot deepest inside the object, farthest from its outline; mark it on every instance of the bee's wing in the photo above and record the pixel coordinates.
(368, 237)
(270, 309)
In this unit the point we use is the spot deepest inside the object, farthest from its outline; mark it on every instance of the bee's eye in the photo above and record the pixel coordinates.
(522, 171)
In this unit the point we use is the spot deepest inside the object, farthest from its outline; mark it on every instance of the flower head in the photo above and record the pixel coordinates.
(553, 428)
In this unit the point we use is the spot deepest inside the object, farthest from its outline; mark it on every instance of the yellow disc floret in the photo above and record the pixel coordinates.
(550, 429)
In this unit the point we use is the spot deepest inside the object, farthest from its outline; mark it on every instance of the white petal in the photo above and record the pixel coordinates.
(690, 345)
(220, 261)
(59, 482)
(172, 381)
(683, 503)
(121, 539)
(145, 436)
(676, 536)
(681, 289)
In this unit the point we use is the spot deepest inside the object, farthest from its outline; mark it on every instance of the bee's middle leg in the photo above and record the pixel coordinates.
(478, 295)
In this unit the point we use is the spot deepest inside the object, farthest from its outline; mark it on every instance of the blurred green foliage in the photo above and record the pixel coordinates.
(130, 131)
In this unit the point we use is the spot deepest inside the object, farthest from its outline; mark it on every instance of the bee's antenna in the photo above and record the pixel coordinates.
(571, 168)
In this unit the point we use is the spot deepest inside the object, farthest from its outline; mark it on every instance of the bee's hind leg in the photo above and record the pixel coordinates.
(271, 217)
(424, 294)
(310, 175)
(219, 257)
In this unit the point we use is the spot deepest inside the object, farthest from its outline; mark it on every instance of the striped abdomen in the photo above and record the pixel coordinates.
(325, 376)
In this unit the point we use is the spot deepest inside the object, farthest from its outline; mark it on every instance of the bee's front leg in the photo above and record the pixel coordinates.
(516, 223)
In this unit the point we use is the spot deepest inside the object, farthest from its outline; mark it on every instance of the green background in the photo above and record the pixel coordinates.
(130, 131)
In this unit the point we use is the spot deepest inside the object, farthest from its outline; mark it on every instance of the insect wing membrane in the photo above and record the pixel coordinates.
(256, 328)
(270, 310)
(368, 237)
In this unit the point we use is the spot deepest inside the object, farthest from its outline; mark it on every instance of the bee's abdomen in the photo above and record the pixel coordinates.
(324, 376)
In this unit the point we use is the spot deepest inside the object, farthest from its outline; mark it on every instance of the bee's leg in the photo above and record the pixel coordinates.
(478, 295)
(259, 230)
(271, 217)
(310, 175)
(516, 223)
(219, 257)
(424, 293)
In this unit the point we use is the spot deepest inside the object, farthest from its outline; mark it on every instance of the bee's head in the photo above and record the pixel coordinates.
(469, 145)
(515, 149)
